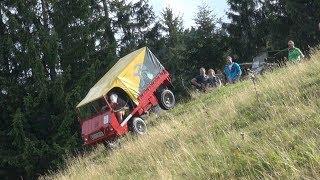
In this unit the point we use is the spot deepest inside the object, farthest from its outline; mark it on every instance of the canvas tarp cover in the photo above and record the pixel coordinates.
(132, 73)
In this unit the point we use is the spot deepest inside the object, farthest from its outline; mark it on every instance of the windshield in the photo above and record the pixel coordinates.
(93, 109)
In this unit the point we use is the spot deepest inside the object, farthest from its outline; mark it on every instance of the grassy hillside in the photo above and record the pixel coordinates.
(229, 133)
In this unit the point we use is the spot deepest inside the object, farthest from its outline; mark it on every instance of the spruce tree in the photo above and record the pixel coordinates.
(174, 45)
(205, 43)
(243, 39)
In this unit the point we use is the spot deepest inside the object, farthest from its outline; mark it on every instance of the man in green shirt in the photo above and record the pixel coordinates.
(295, 54)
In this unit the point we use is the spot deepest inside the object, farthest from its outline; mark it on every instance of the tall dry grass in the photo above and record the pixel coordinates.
(234, 132)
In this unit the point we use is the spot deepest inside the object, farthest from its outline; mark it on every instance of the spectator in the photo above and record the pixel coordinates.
(200, 81)
(294, 54)
(213, 81)
(232, 71)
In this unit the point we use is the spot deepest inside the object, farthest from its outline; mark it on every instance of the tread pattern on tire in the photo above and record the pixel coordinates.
(160, 98)
(133, 124)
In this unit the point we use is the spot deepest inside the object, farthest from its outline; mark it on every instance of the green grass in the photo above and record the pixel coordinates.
(226, 134)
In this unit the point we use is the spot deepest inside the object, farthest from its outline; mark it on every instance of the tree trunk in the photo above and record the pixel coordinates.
(50, 61)
(109, 34)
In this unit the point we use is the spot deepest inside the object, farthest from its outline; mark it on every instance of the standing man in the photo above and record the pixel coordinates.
(294, 54)
(200, 81)
(232, 71)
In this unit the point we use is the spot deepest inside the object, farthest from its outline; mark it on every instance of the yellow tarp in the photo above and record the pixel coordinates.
(123, 75)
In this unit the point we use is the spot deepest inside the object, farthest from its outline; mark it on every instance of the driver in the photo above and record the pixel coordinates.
(119, 106)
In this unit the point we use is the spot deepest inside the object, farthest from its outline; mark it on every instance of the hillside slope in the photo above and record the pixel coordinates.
(229, 133)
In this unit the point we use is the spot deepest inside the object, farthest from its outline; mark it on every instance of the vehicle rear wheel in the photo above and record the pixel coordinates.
(167, 99)
(138, 126)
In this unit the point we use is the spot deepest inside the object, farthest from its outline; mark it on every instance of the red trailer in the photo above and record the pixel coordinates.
(137, 79)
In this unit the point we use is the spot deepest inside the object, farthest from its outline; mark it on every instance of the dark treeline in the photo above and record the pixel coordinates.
(53, 51)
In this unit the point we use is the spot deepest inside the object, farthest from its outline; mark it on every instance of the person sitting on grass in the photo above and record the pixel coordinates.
(200, 81)
(232, 71)
(213, 81)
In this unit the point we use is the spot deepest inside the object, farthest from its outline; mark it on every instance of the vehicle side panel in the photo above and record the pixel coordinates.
(148, 98)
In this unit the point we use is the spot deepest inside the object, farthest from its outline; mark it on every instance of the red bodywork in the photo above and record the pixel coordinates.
(105, 126)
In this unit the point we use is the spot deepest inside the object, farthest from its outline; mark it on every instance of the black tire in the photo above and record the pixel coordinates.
(138, 126)
(166, 99)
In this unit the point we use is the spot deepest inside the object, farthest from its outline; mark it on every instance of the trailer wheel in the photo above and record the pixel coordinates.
(138, 126)
(166, 99)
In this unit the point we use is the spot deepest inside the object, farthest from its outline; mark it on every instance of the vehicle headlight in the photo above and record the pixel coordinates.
(105, 119)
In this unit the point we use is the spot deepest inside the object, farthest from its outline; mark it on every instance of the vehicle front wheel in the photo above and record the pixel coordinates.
(167, 99)
(138, 126)
(112, 144)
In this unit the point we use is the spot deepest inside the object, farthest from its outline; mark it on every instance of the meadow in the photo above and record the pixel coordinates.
(271, 130)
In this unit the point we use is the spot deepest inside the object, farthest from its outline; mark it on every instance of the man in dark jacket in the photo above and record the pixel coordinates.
(200, 81)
